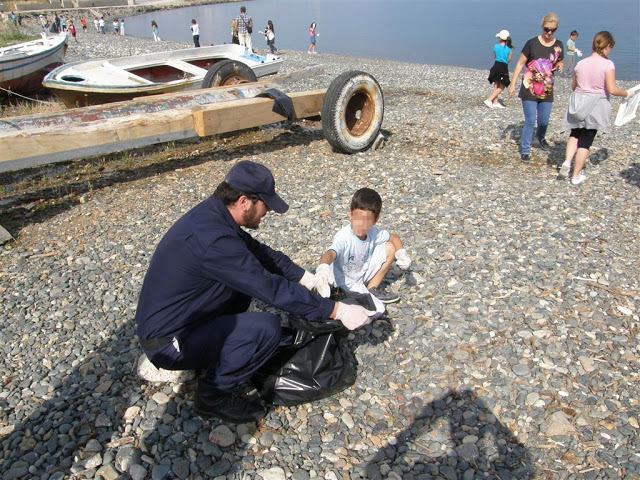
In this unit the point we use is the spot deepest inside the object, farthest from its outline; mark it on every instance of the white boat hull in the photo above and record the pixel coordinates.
(117, 79)
(23, 66)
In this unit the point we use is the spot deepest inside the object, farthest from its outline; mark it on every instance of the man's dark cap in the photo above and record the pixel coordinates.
(251, 177)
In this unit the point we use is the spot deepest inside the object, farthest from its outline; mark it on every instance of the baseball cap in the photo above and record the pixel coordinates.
(503, 34)
(251, 177)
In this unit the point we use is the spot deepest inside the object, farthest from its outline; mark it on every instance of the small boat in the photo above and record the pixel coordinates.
(24, 65)
(96, 82)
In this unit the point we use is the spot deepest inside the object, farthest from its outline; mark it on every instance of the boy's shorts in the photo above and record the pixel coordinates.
(378, 257)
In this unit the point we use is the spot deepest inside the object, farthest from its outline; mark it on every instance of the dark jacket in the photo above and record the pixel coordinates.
(204, 263)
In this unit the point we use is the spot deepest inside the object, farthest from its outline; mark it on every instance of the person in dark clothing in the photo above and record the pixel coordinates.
(192, 311)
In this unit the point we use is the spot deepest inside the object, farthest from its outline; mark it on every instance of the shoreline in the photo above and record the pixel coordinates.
(116, 11)
(515, 343)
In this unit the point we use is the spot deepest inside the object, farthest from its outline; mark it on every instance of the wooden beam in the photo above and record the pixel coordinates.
(88, 131)
(253, 112)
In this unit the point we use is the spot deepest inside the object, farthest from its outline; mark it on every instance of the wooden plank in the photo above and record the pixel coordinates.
(120, 126)
(53, 137)
(253, 112)
(35, 147)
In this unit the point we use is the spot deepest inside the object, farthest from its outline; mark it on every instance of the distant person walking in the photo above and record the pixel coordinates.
(589, 109)
(499, 73)
(312, 38)
(115, 26)
(270, 36)
(542, 56)
(572, 52)
(244, 26)
(195, 32)
(234, 32)
(96, 24)
(101, 23)
(155, 31)
(72, 30)
(122, 26)
(63, 22)
(83, 21)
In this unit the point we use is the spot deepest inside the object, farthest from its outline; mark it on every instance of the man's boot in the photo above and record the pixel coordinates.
(229, 406)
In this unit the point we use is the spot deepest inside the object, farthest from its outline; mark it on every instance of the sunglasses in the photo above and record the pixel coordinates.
(549, 30)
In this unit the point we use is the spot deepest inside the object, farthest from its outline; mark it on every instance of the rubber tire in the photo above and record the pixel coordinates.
(228, 72)
(352, 112)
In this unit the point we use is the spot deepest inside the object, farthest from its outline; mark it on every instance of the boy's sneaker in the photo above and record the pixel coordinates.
(498, 105)
(578, 180)
(564, 170)
(488, 103)
(384, 295)
(525, 158)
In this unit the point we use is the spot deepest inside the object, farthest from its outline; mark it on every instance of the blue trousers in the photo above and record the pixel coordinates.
(230, 347)
(533, 109)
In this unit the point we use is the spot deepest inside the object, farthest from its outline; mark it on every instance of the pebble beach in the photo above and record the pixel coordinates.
(513, 354)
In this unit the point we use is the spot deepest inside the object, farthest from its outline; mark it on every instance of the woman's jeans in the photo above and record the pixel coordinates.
(532, 109)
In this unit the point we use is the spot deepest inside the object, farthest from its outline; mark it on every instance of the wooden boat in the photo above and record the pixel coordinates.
(24, 65)
(113, 80)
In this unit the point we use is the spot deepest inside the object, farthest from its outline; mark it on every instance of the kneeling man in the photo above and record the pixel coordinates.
(192, 311)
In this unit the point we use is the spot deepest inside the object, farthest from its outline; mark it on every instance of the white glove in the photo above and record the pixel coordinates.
(578, 52)
(353, 316)
(324, 279)
(630, 93)
(308, 280)
(402, 259)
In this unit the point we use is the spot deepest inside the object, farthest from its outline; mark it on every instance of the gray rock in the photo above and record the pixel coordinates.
(137, 472)
(160, 472)
(180, 468)
(273, 473)
(4, 236)
(222, 436)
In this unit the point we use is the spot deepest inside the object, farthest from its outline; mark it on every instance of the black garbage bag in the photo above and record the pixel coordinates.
(313, 361)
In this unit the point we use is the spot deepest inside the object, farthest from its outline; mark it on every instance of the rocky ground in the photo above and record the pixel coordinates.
(512, 354)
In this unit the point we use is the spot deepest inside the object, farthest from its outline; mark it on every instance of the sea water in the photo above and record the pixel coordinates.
(436, 32)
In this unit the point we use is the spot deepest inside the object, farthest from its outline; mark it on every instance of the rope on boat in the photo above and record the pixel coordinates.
(26, 98)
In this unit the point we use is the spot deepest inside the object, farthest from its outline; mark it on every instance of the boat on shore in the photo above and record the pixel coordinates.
(96, 82)
(24, 65)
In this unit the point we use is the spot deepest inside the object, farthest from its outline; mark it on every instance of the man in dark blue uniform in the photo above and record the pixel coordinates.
(192, 312)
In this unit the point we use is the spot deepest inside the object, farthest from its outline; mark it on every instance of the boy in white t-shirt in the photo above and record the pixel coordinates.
(362, 253)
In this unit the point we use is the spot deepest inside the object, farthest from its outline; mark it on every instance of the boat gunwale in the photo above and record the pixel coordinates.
(51, 81)
(5, 63)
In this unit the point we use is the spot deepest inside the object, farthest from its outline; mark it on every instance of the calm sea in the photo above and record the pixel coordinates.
(438, 32)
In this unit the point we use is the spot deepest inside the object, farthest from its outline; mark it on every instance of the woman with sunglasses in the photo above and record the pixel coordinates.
(589, 111)
(542, 56)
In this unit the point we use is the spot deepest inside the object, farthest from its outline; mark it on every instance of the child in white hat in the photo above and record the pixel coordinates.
(499, 73)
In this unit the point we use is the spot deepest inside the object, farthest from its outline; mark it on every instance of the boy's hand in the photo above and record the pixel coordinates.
(308, 280)
(353, 316)
(324, 279)
(402, 259)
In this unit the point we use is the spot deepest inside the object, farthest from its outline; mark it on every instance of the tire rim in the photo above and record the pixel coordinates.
(233, 80)
(359, 113)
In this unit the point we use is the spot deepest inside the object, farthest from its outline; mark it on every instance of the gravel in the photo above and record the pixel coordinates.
(513, 353)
